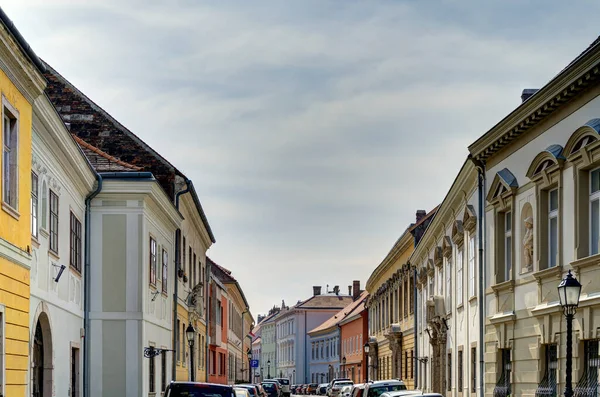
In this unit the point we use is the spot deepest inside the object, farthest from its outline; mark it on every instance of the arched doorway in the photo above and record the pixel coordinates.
(41, 358)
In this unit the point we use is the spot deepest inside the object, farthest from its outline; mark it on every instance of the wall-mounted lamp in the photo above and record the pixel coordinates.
(422, 359)
(154, 295)
(60, 272)
(428, 332)
(445, 324)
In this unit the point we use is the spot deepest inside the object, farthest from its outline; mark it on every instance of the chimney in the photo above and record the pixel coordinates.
(420, 215)
(260, 318)
(336, 290)
(355, 289)
(527, 93)
(316, 290)
(349, 290)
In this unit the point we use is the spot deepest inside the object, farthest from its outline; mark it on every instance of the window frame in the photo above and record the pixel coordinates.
(472, 266)
(151, 374)
(553, 215)
(460, 276)
(165, 271)
(34, 205)
(9, 112)
(75, 243)
(152, 266)
(53, 216)
(594, 196)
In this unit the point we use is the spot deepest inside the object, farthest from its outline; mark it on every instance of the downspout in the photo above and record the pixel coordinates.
(176, 282)
(481, 245)
(86, 286)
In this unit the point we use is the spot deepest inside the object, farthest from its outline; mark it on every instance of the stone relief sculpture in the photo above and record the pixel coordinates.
(528, 243)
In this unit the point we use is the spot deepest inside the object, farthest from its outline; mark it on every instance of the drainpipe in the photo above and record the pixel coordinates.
(86, 286)
(176, 279)
(481, 245)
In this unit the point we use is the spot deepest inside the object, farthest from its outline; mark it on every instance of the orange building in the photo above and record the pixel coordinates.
(354, 331)
(218, 303)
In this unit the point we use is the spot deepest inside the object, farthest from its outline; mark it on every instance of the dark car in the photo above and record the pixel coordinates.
(198, 389)
(252, 389)
(271, 388)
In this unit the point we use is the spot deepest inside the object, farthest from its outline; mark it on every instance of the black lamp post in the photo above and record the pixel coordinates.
(190, 333)
(249, 354)
(294, 376)
(569, 291)
(261, 374)
(344, 366)
(367, 358)
(269, 369)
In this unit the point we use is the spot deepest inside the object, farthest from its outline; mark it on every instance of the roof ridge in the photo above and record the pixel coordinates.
(102, 153)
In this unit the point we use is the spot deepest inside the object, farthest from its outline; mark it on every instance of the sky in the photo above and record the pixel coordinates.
(313, 130)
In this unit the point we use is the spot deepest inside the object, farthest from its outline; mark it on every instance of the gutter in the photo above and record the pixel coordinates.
(10, 26)
(86, 284)
(176, 284)
(480, 237)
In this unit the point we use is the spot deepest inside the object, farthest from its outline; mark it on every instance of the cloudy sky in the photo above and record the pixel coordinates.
(313, 129)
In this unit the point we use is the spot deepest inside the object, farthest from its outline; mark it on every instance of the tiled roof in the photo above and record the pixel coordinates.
(220, 272)
(102, 161)
(342, 314)
(325, 302)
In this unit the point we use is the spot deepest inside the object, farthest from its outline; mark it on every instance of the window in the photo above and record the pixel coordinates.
(471, 254)
(183, 357)
(503, 384)
(406, 364)
(548, 385)
(183, 253)
(190, 267)
(152, 261)
(449, 375)
(53, 222)
(44, 206)
(459, 277)
(34, 204)
(552, 227)
(152, 375)
(163, 370)
(448, 284)
(10, 157)
(75, 259)
(459, 386)
(588, 383)
(74, 381)
(594, 210)
(473, 369)
(411, 293)
(507, 245)
(165, 270)
(177, 342)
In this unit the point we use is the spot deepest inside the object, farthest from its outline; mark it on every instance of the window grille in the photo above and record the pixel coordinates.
(588, 383)
(502, 388)
(547, 386)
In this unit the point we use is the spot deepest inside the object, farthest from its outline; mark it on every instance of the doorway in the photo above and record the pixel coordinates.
(41, 365)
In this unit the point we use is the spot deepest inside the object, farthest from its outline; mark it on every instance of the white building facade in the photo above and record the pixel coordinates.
(447, 304)
(61, 180)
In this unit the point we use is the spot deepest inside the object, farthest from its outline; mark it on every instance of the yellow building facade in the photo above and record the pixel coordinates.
(391, 309)
(20, 83)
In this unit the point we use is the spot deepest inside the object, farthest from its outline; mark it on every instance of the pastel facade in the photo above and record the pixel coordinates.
(541, 216)
(354, 331)
(447, 299)
(391, 308)
(268, 344)
(61, 179)
(21, 82)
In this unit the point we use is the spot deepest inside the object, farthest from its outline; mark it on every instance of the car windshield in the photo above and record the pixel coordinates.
(376, 391)
(241, 393)
(342, 384)
(269, 386)
(183, 390)
(284, 381)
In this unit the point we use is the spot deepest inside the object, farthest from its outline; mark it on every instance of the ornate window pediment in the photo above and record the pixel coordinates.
(447, 246)
(545, 165)
(438, 256)
(458, 232)
(585, 138)
(503, 187)
(470, 218)
(430, 268)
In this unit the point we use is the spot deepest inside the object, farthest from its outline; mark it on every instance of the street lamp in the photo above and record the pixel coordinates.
(569, 291)
(344, 365)
(249, 368)
(269, 369)
(367, 358)
(190, 332)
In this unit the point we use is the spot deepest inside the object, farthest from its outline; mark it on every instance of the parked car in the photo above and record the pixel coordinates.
(252, 389)
(409, 393)
(346, 391)
(285, 386)
(330, 386)
(322, 389)
(198, 389)
(304, 389)
(337, 386)
(271, 388)
(241, 392)
(312, 388)
(262, 392)
(358, 390)
(377, 388)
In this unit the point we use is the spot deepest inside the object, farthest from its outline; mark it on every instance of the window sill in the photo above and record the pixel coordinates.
(53, 255)
(459, 307)
(44, 232)
(545, 274)
(10, 211)
(503, 286)
(165, 294)
(585, 262)
(473, 299)
(75, 271)
(35, 242)
(152, 286)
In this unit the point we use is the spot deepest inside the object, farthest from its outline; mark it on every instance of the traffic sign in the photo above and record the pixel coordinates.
(254, 363)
